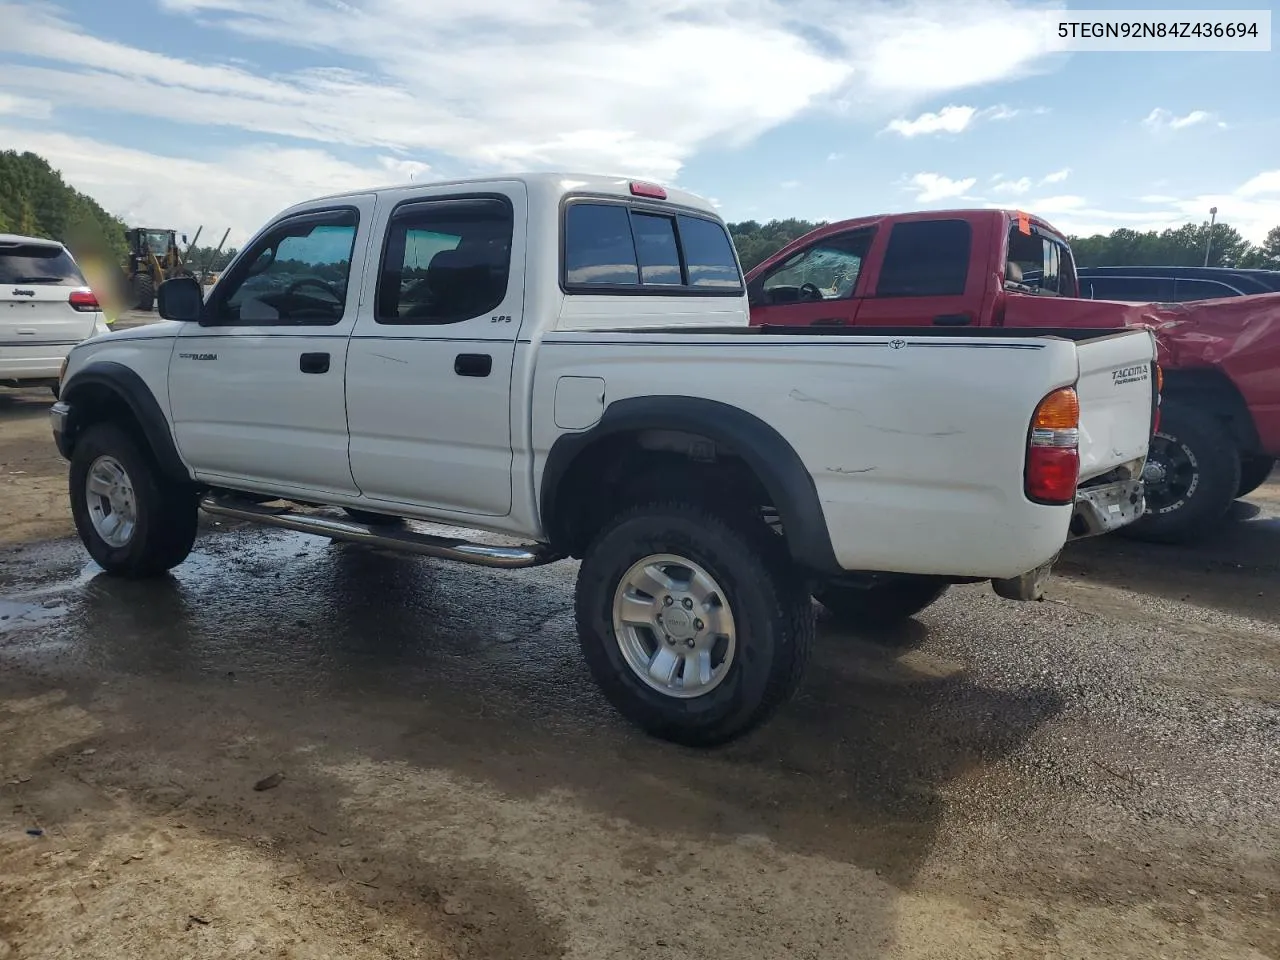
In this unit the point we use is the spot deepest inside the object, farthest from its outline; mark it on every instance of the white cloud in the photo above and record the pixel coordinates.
(789, 184)
(950, 119)
(932, 187)
(12, 105)
(1016, 187)
(832, 157)
(1253, 208)
(240, 189)
(1161, 119)
(1057, 176)
(496, 85)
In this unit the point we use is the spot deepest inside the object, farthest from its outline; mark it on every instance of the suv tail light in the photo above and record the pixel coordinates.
(84, 301)
(1053, 449)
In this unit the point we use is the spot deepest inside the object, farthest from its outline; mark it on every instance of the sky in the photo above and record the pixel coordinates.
(181, 113)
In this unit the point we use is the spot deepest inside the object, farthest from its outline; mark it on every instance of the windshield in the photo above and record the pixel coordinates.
(38, 263)
(158, 241)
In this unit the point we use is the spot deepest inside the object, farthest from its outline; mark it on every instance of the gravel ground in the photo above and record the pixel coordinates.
(1093, 776)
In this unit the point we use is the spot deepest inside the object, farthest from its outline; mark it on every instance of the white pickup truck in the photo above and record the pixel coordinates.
(566, 361)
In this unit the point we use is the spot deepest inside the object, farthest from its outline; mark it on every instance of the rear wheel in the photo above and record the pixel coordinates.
(696, 627)
(133, 521)
(879, 605)
(1254, 472)
(1191, 477)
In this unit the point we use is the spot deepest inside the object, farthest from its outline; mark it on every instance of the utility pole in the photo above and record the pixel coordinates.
(1213, 215)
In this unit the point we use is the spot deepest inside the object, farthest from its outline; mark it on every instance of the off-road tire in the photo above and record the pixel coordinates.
(773, 618)
(143, 290)
(1214, 464)
(167, 513)
(879, 606)
(1254, 472)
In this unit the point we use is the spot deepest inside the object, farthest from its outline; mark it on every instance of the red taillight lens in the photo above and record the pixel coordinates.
(84, 301)
(1053, 450)
(639, 189)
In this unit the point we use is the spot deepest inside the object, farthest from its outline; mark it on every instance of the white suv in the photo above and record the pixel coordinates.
(46, 308)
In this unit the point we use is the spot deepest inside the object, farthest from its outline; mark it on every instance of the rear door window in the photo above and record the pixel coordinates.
(445, 261)
(926, 258)
(33, 263)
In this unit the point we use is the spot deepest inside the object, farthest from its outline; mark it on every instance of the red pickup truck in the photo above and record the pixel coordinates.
(1218, 435)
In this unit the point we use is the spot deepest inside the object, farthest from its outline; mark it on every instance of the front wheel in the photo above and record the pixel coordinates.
(133, 521)
(879, 605)
(1191, 477)
(696, 628)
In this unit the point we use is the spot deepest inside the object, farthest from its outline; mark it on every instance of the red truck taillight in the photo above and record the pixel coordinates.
(1053, 450)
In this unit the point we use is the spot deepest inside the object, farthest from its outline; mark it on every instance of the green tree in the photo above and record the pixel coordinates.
(36, 201)
(756, 242)
(1182, 246)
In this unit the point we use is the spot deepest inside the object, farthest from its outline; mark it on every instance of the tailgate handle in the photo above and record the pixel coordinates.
(314, 363)
(953, 320)
(472, 364)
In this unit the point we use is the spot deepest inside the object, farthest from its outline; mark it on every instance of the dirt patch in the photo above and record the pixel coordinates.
(33, 476)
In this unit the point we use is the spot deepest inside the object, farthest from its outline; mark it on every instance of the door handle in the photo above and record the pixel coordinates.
(472, 364)
(314, 363)
(953, 320)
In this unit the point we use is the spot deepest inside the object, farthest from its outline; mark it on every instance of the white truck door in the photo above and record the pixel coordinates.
(256, 388)
(429, 367)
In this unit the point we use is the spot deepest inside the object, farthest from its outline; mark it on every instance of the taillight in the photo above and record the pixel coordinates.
(1155, 416)
(1053, 450)
(84, 301)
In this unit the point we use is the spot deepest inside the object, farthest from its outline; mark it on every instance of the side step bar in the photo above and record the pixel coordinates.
(404, 541)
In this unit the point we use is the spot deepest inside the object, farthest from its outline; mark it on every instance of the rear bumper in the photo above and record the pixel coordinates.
(1106, 507)
(33, 361)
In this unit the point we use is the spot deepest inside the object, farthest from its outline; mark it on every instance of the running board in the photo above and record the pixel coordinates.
(403, 541)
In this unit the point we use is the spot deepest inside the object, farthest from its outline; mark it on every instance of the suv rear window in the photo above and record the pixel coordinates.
(32, 263)
(610, 247)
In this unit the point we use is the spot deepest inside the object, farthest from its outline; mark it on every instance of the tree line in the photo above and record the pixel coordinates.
(36, 201)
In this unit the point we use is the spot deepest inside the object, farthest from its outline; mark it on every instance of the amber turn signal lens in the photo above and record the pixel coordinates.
(1060, 410)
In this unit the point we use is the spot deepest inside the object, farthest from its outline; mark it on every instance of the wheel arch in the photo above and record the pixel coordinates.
(710, 432)
(106, 390)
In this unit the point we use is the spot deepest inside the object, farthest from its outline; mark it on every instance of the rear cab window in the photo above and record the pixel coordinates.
(1038, 262)
(38, 263)
(621, 247)
(926, 258)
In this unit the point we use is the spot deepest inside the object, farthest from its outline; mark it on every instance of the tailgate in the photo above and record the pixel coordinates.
(1117, 390)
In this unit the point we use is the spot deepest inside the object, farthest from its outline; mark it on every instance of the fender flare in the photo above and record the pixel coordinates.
(773, 460)
(126, 384)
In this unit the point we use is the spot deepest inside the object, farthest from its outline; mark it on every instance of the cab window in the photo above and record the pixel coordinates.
(1039, 263)
(295, 275)
(828, 270)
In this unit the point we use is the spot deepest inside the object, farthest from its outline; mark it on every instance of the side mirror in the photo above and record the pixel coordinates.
(180, 298)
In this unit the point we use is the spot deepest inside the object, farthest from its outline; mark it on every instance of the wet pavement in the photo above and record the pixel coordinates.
(1049, 777)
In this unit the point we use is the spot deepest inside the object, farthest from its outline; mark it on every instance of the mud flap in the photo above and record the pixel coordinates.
(1028, 586)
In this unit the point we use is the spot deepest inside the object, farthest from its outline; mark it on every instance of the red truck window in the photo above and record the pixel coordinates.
(828, 270)
(1038, 263)
(926, 258)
